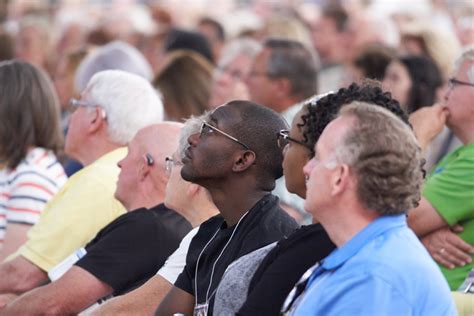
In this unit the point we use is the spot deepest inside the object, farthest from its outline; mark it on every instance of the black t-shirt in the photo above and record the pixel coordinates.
(283, 267)
(130, 250)
(265, 223)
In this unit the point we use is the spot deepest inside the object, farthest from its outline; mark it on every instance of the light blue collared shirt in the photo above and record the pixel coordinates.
(383, 270)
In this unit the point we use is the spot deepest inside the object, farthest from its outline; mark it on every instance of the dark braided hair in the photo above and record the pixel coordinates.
(322, 111)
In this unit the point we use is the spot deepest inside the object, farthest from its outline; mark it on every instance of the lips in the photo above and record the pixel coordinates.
(187, 155)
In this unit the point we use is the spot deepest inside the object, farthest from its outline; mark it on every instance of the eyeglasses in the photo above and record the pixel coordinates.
(149, 159)
(77, 103)
(169, 163)
(455, 82)
(207, 128)
(283, 138)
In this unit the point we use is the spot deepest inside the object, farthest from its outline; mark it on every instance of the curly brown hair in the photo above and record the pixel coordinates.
(385, 155)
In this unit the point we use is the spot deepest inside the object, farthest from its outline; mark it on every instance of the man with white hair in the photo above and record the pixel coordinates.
(113, 107)
(448, 199)
(129, 250)
(365, 174)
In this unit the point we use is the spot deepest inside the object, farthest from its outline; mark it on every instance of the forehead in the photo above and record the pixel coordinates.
(225, 115)
(334, 133)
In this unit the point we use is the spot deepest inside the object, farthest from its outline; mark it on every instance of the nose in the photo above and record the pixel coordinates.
(193, 139)
(119, 164)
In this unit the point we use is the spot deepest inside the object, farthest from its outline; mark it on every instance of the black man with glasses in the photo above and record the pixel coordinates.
(444, 220)
(236, 158)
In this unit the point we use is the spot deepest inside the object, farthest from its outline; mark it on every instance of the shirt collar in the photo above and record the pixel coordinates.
(339, 256)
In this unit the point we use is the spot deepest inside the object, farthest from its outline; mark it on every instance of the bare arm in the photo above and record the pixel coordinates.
(424, 219)
(15, 236)
(141, 301)
(71, 294)
(20, 275)
(177, 301)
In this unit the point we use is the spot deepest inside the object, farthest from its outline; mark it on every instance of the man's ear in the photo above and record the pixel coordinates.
(340, 179)
(96, 119)
(244, 161)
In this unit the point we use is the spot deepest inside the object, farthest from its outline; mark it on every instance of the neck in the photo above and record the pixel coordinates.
(465, 134)
(349, 221)
(201, 212)
(94, 150)
(232, 209)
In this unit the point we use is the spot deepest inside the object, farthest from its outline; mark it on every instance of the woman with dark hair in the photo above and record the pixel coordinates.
(414, 81)
(30, 138)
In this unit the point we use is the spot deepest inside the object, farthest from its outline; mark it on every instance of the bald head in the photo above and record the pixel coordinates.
(142, 180)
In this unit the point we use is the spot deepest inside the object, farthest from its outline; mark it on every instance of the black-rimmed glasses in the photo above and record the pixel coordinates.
(169, 163)
(283, 138)
(206, 128)
(455, 82)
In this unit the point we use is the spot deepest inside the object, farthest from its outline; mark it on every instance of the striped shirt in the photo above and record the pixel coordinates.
(25, 190)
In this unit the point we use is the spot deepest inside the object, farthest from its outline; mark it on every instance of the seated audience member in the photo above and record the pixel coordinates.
(195, 204)
(371, 62)
(116, 55)
(214, 33)
(278, 270)
(30, 137)
(236, 158)
(447, 198)
(114, 106)
(414, 81)
(178, 39)
(283, 74)
(365, 174)
(233, 67)
(129, 250)
(185, 81)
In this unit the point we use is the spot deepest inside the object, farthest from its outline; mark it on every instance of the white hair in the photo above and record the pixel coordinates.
(190, 127)
(467, 55)
(129, 101)
(241, 46)
(115, 55)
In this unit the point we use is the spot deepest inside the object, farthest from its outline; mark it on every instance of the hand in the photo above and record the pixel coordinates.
(6, 298)
(427, 123)
(447, 248)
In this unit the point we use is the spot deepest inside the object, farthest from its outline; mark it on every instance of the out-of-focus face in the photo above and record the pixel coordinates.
(322, 167)
(129, 176)
(176, 187)
(76, 133)
(459, 100)
(325, 36)
(260, 86)
(28, 47)
(295, 156)
(398, 82)
(64, 82)
(228, 81)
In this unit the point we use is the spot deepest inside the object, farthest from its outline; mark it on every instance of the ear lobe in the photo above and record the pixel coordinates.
(244, 161)
(192, 189)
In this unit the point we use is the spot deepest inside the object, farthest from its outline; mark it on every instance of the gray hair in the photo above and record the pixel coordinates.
(115, 55)
(129, 101)
(191, 126)
(385, 156)
(467, 55)
(292, 60)
(241, 46)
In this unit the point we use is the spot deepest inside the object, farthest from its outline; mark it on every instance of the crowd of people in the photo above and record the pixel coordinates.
(260, 158)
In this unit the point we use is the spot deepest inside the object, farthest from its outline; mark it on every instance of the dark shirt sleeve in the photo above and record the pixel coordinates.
(130, 251)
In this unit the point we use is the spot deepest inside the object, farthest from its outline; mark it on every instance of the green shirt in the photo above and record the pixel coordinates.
(450, 190)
